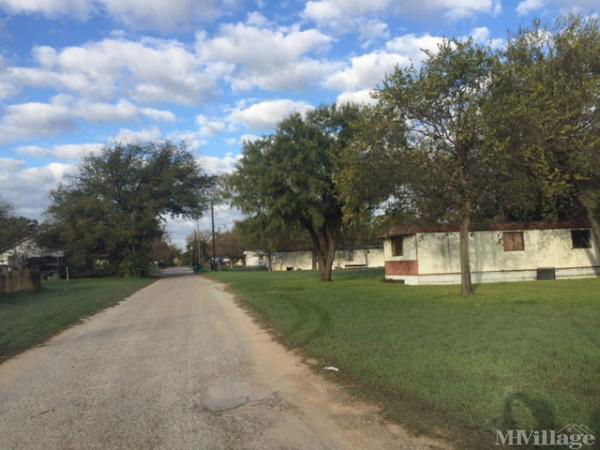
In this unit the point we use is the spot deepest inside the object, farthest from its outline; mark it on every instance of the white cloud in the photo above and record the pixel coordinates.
(344, 15)
(412, 46)
(145, 14)
(8, 165)
(257, 19)
(122, 111)
(529, 6)
(339, 14)
(366, 71)
(238, 44)
(272, 59)
(34, 120)
(50, 8)
(249, 137)
(28, 188)
(151, 71)
(219, 165)
(372, 30)
(164, 15)
(126, 136)
(210, 127)
(481, 35)
(362, 97)
(147, 70)
(266, 115)
(69, 152)
(191, 139)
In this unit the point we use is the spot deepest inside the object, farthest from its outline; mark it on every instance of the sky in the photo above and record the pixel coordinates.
(76, 75)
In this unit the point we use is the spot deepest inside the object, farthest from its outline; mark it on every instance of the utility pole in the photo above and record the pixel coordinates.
(214, 244)
(197, 234)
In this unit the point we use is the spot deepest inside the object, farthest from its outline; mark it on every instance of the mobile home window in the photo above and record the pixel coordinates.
(513, 241)
(581, 238)
(397, 245)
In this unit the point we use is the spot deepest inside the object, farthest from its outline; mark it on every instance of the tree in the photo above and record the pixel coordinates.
(439, 108)
(114, 209)
(229, 245)
(13, 228)
(373, 174)
(164, 253)
(289, 178)
(196, 249)
(548, 90)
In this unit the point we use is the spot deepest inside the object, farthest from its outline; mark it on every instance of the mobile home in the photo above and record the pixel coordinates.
(498, 252)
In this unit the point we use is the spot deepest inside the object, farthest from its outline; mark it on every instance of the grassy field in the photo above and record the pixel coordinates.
(27, 319)
(521, 355)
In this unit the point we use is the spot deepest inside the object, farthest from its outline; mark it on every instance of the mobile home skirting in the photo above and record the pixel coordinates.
(499, 276)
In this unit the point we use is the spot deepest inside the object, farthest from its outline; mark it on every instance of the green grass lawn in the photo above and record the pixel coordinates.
(520, 355)
(27, 319)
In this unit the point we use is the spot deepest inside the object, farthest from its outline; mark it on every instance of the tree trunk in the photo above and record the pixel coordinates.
(328, 259)
(270, 262)
(465, 264)
(324, 244)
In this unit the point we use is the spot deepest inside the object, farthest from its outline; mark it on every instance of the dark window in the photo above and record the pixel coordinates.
(397, 245)
(581, 238)
(513, 241)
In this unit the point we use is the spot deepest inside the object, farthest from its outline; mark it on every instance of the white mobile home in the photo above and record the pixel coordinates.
(26, 248)
(498, 252)
(360, 258)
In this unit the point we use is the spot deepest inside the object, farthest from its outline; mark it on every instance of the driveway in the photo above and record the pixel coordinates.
(178, 366)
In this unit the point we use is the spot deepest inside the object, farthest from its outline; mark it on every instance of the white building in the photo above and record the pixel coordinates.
(25, 249)
(303, 260)
(255, 258)
(498, 252)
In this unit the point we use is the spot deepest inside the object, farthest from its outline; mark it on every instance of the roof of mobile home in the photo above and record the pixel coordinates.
(404, 229)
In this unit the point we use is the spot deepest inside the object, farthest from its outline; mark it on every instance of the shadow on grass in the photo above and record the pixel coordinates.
(540, 410)
(309, 311)
(543, 415)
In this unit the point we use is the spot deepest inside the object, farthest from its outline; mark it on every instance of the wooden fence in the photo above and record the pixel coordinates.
(20, 281)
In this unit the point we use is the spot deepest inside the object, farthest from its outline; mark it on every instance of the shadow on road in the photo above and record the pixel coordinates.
(176, 272)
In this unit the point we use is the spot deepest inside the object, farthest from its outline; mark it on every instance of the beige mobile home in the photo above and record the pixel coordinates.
(360, 258)
(499, 252)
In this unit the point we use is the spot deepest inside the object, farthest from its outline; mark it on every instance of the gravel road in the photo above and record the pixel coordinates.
(179, 366)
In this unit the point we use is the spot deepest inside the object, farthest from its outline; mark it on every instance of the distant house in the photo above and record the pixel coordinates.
(499, 252)
(26, 253)
(256, 258)
(358, 258)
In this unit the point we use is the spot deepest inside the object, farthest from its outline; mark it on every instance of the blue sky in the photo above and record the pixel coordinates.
(78, 74)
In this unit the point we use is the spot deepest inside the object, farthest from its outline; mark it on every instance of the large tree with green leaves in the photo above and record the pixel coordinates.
(288, 178)
(447, 162)
(115, 208)
(546, 114)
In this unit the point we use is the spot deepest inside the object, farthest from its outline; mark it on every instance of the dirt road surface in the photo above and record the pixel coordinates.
(179, 366)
